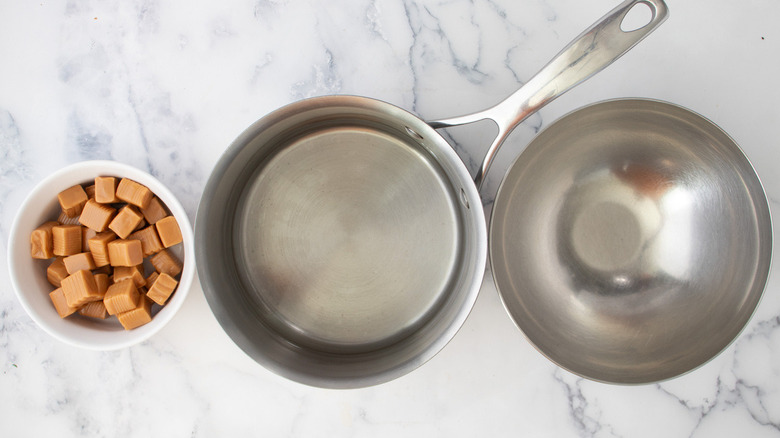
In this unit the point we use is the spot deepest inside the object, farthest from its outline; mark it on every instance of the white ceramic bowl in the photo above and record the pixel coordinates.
(28, 275)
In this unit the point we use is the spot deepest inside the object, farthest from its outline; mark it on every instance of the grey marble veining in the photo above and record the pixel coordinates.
(166, 86)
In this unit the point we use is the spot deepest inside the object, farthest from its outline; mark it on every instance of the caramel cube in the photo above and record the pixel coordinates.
(60, 303)
(56, 272)
(41, 242)
(105, 190)
(121, 296)
(152, 278)
(134, 193)
(150, 241)
(123, 252)
(125, 221)
(165, 262)
(80, 288)
(79, 262)
(137, 317)
(155, 211)
(94, 309)
(97, 216)
(135, 273)
(98, 246)
(90, 191)
(63, 219)
(102, 282)
(161, 290)
(72, 200)
(169, 232)
(86, 234)
(66, 239)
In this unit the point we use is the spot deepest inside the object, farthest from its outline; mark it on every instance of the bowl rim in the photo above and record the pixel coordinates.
(18, 243)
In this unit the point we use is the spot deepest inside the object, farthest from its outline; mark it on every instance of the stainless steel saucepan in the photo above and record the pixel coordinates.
(340, 240)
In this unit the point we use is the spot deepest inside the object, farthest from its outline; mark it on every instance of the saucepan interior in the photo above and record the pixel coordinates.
(631, 241)
(340, 241)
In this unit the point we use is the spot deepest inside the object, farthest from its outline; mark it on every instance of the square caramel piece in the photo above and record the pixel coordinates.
(135, 273)
(63, 219)
(105, 190)
(137, 317)
(41, 242)
(66, 239)
(152, 278)
(72, 200)
(79, 262)
(94, 309)
(61, 304)
(97, 216)
(162, 289)
(123, 252)
(121, 296)
(165, 262)
(154, 211)
(80, 288)
(150, 241)
(102, 282)
(98, 246)
(125, 221)
(86, 234)
(56, 272)
(169, 232)
(134, 193)
(90, 191)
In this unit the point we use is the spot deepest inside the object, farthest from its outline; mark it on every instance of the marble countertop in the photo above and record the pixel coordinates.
(166, 86)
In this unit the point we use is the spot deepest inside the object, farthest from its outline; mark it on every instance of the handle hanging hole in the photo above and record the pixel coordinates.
(639, 16)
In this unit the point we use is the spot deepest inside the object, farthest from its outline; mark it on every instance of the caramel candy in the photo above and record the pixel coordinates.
(56, 272)
(161, 290)
(86, 234)
(66, 239)
(125, 252)
(105, 190)
(41, 242)
(107, 269)
(79, 262)
(121, 296)
(152, 278)
(60, 303)
(150, 241)
(98, 246)
(80, 288)
(125, 221)
(90, 191)
(134, 193)
(155, 211)
(102, 282)
(135, 273)
(63, 219)
(169, 232)
(94, 309)
(138, 316)
(97, 216)
(165, 262)
(72, 200)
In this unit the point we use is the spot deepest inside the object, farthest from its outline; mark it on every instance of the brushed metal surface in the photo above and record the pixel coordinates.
(341, 242)
(631, 241)
(349, 237)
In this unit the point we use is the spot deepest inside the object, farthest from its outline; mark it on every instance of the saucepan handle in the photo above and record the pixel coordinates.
(591, 52)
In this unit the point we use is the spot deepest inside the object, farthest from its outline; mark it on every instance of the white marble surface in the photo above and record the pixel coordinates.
(180, 80)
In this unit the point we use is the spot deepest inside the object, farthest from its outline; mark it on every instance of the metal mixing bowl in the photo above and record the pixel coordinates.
(631, 241)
